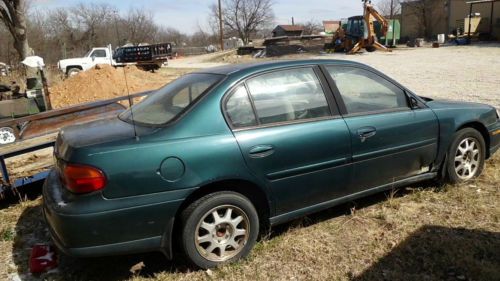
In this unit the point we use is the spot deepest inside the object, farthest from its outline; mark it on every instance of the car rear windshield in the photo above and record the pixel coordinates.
(168, 102)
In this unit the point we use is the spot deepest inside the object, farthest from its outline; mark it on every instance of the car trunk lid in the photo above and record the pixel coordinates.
(73, 138)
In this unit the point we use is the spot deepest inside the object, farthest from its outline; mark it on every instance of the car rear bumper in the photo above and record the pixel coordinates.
(142, 227)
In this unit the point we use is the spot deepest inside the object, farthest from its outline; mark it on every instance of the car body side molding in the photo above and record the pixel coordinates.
(328, 204)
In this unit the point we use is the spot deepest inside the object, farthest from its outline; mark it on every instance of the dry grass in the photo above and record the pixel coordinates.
(415, 233)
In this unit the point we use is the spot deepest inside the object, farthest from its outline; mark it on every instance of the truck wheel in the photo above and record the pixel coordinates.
(73, 71)
(370, 49)
(465, 156)
(219, 228)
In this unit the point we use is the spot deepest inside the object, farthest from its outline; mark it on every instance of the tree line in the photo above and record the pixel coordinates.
(69, 32)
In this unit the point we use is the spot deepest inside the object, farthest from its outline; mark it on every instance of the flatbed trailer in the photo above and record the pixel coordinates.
(39, 131)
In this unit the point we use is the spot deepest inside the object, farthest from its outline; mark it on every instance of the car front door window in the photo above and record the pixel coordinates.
(363, 91)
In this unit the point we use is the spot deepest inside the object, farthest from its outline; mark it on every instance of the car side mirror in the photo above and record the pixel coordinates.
(93, 58)
(414, 103)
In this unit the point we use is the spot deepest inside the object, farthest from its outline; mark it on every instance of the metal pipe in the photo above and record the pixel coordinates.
(470, 23)
(491, 18)
(221, 29)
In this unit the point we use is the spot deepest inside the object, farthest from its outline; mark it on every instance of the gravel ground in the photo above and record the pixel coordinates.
(465, 73)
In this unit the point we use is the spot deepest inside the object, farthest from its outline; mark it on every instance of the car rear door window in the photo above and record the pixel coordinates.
(239, 109)
(288, 95)
(364, 91)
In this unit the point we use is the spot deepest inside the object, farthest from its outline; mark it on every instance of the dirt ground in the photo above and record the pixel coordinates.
(417, 233)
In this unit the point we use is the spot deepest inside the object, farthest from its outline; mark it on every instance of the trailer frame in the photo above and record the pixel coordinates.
(48, 139)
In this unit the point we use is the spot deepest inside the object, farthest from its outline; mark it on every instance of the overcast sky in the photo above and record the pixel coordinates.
(186, 14)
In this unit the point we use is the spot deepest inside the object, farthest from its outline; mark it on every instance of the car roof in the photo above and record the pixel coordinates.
(261, 66)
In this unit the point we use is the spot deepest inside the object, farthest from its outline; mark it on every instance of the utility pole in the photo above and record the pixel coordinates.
(392, 18)
(221, 29)
(393, 21)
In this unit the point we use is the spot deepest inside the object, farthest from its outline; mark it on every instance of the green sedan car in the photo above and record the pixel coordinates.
(204, 163)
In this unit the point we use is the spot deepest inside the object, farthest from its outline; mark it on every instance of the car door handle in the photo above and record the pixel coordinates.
(366, 132)
(260, 151)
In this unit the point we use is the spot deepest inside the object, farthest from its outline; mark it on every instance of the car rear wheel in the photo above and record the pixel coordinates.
(465, 156)
(219, 228)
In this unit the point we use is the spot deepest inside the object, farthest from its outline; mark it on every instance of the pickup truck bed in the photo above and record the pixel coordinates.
(143, 54)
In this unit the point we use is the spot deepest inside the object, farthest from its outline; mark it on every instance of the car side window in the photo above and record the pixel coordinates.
(364, 91)
(190, 93)
(239, 109)
(288, 95)
(99, 54)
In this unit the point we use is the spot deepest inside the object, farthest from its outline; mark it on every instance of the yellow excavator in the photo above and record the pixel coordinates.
(360, 32)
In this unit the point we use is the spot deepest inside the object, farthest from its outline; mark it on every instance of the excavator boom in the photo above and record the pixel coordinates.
(370, 43)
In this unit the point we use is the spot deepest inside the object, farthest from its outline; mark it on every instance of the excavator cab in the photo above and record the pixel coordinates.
(355, 27)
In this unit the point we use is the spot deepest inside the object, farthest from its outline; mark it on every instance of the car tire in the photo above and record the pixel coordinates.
(208, 241)
(73, 71)
(466, 155)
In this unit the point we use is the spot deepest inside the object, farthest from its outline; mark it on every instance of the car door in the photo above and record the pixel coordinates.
(391, 140)
(291, 136)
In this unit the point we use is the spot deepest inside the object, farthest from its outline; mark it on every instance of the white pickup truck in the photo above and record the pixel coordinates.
(147, 57)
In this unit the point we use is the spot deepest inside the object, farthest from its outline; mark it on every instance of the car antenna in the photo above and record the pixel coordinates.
(130, 101)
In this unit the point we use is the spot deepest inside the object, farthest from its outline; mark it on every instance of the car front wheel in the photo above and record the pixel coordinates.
(73, 71)
(219, 228)
(465, 156)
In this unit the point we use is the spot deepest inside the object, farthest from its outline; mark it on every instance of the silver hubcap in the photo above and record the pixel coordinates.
(222, 233)
(467, 158)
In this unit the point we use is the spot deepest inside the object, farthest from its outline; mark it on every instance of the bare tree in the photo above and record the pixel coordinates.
(424, 13)
(93, 18)
(70, 32)
(13, 16)
(244, 18)
(389, 8)
(312, 27)
(170, 34)
(140, 26)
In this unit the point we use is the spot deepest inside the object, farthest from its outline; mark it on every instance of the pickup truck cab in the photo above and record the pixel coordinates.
(101, 55)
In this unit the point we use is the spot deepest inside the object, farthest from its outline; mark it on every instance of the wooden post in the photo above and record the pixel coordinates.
(46, 93)
(221, 28)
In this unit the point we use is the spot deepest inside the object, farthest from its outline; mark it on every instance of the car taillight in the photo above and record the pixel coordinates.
(83, 178)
